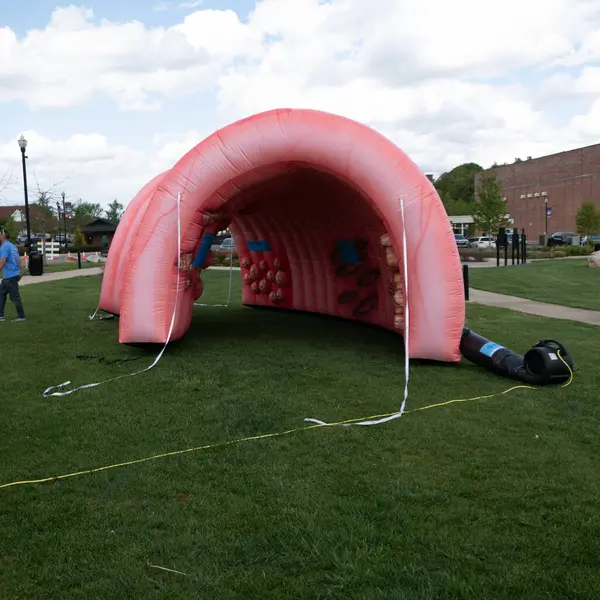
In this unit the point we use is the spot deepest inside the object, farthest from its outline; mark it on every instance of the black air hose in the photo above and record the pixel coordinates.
(541, 365)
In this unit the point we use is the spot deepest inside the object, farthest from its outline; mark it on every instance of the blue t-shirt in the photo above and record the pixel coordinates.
(11, 254)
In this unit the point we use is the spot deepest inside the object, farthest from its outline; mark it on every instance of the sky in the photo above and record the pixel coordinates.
(109, 94)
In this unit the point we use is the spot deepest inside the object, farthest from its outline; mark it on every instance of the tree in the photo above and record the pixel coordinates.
(84, 212)
(489, 210)
(458, 186)
(43, 219)
(78, 238)
(42, 216)
(458, 207)
(115, 211)
(11, 228)
(588, 219)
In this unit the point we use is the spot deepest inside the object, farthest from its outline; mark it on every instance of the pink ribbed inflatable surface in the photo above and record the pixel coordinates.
(313, 204)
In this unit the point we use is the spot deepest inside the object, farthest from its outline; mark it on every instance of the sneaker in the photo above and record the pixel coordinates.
(19, 320)
(2, 319)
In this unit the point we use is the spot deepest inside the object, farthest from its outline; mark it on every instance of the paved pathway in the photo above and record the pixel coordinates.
(492, 261)
(29, 280)
(555, 311)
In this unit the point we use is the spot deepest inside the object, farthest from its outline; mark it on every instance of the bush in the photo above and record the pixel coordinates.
(578, 250)
(559, 252)
(475, 254)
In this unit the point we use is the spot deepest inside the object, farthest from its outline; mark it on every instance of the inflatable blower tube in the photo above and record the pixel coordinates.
(541, 365)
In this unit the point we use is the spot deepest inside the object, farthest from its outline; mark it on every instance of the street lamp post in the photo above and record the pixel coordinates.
(23, 146)
(65, 221)
(58, 217)
(546, 216)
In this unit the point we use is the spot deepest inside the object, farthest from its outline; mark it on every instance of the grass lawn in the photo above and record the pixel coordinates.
(494, 499)
(567, 282)
(55, 267)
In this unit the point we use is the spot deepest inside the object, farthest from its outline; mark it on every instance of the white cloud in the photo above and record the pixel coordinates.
(166, 6)
(190, 5)
(448, 82)
(74, 58)
(89, 166)
(418, 71)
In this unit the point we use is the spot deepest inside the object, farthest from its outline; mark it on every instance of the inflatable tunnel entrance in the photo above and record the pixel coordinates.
(313, 204)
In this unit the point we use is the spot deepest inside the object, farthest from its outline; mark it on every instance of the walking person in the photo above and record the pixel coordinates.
(11, 275)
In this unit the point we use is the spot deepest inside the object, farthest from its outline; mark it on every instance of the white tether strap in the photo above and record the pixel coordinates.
(50, 391)
(406, 341)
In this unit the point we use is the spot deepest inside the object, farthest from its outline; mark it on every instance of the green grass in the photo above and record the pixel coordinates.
(493, 499)
(567, 282)
(57, 267)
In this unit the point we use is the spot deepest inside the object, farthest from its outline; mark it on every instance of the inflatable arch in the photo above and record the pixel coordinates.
(320, 209)
(313, 204)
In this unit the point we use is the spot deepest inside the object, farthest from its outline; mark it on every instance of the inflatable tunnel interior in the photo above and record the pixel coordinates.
(320, 209)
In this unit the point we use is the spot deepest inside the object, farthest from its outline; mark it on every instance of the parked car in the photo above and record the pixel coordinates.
(61, 239)
(560, 238)
(485, 241)
(227, 245)
(461, 240)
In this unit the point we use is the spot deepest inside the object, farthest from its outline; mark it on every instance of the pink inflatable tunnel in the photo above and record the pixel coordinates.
(313, 202)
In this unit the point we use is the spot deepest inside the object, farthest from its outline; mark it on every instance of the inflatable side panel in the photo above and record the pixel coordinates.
(112, 281)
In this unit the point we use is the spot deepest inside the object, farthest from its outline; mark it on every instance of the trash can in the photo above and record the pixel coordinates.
(36, 264)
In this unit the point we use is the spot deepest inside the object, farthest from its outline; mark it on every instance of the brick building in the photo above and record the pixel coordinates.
(566, 180)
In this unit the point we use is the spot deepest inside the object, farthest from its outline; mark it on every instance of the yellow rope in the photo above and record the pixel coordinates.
(273, 435)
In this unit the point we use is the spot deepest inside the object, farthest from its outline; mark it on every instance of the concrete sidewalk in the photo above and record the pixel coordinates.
(29, 280)
(554, 311)
(492, 262)
(60, 275)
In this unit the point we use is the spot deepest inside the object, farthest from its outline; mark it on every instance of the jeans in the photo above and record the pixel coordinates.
(10, 287)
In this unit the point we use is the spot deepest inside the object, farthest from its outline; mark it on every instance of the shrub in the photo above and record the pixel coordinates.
(78, 238)
(475, 254)
(577, 250)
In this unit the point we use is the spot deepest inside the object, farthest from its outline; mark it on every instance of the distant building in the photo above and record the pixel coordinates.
(464, 224)
(17, 214)
(99, 231)
(561, 182)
